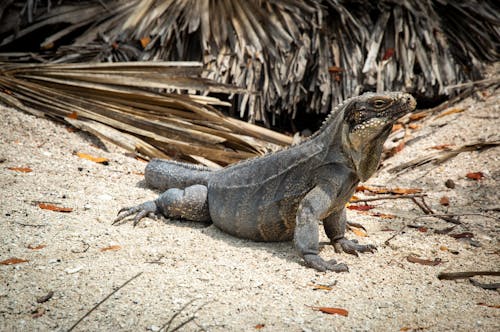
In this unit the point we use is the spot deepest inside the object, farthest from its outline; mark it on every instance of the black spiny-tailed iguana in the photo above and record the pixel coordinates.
(284, 195)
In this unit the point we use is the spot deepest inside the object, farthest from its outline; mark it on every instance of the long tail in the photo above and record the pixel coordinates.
(165, 174)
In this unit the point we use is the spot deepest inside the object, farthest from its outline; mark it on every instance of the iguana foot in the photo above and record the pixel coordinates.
(320, 264)
(351, 246)
(147, 209)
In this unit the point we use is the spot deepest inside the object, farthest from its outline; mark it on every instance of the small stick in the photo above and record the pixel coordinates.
(421, 206)
(102, 301)
(428, 211)
(386, 242)
(466, 274)
(371, 199)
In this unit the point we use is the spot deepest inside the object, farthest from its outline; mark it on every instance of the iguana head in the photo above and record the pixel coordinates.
(367, 122)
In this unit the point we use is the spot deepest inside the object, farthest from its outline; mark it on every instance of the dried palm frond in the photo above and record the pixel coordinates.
(107, 97)
(300, 56)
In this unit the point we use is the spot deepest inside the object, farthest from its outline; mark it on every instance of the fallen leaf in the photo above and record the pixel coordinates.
(396, 127)
(417, 116)
(259, 326)
(111, 248)
(450, 111)
(360, 207)
(38, 247)
(358, 231)
(496, 306)
(396, 149)
(413, 259)
(464, 235)
(445, 201)
(382, 215)
(441, 147)
(21, 169)
(321, 287)
(98, 160)
(405, 191)
(388, 54)
(73, 115)
(335, 69)
(145, 41)
(381, 190)
(332, 311)
(55, 208)
(12, 261)
(475, 175)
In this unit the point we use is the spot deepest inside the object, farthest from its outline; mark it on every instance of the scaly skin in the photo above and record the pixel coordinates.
(284, 195)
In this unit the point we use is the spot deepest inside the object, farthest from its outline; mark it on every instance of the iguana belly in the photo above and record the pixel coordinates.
(264, 213)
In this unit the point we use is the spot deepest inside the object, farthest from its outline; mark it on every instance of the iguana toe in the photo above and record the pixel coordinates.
(352, 247)
(321, 265)
(145, 209)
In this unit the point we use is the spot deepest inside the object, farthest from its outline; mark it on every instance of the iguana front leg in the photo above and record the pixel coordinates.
(311, 210)
(334, 226)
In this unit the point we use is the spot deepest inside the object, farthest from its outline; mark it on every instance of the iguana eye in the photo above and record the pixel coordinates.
(379, 103)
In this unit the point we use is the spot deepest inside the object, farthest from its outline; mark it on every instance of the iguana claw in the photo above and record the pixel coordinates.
(147, 209)
(352, 247)
(321, 265)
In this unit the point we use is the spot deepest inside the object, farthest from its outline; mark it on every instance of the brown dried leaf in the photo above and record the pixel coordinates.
(442, 147)
(413, 259)
(417, 116)
(382, 215)
(396, 149)
(397, 191)
(55, 208)
(445, 201)
(405, 191)
(111, 248)
(73, 115)
(335, 69)
(464, 235)
(388, 54)
(358, 231)
(259, 326)
(475, 175)
(99, 160)
(37, 247)
(450, 111)
(332, 311)
(321, 287)
(21, 169)
(12, 261)
(396, 127)
(145, 41)
(360, 207)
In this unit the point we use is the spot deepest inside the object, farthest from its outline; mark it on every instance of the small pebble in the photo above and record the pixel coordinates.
(450, 184)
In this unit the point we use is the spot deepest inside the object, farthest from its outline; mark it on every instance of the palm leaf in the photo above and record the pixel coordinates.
(115, 102)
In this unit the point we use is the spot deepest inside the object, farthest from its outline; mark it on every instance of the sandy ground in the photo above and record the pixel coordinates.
(231, 284)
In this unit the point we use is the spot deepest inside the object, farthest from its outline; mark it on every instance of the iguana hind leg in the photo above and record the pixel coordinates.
(190, 203)
(334, 226)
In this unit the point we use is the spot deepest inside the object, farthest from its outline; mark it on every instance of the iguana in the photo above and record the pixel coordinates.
(284, 195)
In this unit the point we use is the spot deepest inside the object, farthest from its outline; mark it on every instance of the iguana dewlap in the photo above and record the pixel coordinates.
(284, 195)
